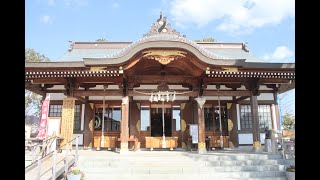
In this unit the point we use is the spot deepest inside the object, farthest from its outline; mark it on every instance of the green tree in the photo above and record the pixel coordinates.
(101, 40)
(205, 40)
(288, 122)
(32, 56)
(33, 100)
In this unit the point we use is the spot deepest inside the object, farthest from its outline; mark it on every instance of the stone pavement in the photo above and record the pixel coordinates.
(145, 164)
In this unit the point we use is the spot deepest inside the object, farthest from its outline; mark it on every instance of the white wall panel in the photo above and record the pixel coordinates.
(265, 96)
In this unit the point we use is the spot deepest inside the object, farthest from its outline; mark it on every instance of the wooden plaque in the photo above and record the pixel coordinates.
(67, 121)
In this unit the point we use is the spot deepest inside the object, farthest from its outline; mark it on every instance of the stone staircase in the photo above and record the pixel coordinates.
(181, 165)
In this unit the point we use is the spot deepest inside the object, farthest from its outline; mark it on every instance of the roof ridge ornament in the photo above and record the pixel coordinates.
(162, 27)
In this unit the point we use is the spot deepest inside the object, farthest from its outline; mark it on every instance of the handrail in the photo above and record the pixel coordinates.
(53, 154)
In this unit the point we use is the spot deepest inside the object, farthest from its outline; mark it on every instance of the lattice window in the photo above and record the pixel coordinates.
(208, 117)
(245, 117)
(264, 113)
(55, 111)
(77, 118)
(145, 118)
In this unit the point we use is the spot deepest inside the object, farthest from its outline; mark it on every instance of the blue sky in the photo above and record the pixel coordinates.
(267, 25)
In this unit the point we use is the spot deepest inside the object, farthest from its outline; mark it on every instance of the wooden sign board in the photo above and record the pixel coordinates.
(194, 133)
(53, 130)
(67, 121)
(54, 124)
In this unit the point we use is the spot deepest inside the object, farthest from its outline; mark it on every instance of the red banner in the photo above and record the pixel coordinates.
(44, 116)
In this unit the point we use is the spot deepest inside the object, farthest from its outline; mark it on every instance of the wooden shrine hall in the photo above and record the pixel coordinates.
(148, 93)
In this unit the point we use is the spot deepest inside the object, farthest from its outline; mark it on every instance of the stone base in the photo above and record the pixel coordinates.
(267, 145)
(202, 151)
(124, 151)
(257, 149)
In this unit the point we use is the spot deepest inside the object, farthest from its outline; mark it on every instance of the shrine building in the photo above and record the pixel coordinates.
(149, 93)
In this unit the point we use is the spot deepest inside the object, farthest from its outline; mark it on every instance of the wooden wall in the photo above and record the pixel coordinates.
(134, 118)
(142, 139)
(232, 115)
(88, 125)
(186, 118)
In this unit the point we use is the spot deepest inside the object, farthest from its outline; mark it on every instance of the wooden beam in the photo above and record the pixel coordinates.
(227, 93)
(213, 80)
(61, 80)
(81, 99)
(154, 79)
(241, 99)
(98, 93)
(233, 86)
(133, 93)
(56, 91)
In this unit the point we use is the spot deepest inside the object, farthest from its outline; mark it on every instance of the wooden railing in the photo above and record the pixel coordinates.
(38, 164)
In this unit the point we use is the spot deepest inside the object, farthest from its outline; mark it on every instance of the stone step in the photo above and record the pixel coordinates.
(183, 170)
(170, 177)
(236, 157)
(180, 163)
(190, 157)
(221, 176)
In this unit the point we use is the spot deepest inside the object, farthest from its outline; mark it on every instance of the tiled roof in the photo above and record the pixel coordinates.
(79, 54)
(235, 53)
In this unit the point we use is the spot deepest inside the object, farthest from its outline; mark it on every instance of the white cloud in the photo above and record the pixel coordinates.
(235, 15)
(46, 19)
(115, 5)
(75, 3)
(280, 53)
(51, 2)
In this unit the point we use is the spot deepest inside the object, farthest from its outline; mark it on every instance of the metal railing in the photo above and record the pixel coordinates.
(53, 154)
(288, 148)
(44, 147)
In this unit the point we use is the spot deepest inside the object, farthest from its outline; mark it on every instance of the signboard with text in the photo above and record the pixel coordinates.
(42, 134)
(67, 121)
(194, 133)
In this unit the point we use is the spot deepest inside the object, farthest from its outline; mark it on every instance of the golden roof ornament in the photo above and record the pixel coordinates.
(162, 27)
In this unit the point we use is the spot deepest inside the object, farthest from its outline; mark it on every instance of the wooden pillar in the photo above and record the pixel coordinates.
(88, 124)
(201, 127)
(233, 125)
(135, 122)
(255, 124)
(124, 125)
(186, 118)
(277, 111)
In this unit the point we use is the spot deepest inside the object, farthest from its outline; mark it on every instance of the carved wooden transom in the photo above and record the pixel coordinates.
(164, 56)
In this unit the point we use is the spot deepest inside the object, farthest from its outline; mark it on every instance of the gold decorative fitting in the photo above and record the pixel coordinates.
(182, 106)
(124, 146)
(183, 125)
(120, 70)
(164, 56)
(229, 105)
(138, 125)
(230, 125)
(98, 68)
(201, 146)
(184, 146)
(230, 69)
(208, 70)
(256, 144)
